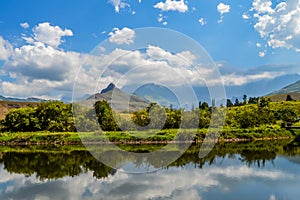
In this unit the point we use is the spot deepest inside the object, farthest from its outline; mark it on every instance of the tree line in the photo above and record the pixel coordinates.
(55, 116)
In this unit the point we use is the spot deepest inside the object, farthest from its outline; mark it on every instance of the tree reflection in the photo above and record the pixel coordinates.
(58, 164)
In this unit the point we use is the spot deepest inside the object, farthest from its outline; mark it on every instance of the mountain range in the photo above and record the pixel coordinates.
(141, 97)
(30, 99)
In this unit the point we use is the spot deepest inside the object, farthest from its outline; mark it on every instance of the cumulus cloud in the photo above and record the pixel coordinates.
(222, 9)
(119, 4)
(123, 36)
(39, 68)
(172, 5)
(24, 25)
(5, 49)
(278, 25)
(50, 35)
(263, 6)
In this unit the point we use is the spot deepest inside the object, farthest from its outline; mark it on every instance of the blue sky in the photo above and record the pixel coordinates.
(238, 35)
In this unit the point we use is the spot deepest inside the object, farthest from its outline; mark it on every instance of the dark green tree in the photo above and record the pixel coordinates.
(229, 103)
(105, 116)
(289, 98)
(244, 99)
(55, 116)
(21, 120)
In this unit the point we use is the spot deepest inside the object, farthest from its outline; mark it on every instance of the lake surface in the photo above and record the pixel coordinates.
(257, 170)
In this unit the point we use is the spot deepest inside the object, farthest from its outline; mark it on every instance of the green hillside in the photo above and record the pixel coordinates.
(292, 88)
(280, 95)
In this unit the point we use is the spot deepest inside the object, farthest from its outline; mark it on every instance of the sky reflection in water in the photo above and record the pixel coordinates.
(225, 178)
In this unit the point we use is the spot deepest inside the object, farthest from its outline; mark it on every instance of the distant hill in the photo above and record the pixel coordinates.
(117, 99)
(30, 99)
(158, 94)
(280, 95)
(292, 88)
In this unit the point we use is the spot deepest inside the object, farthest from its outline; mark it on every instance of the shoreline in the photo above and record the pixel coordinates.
(220, 140)
(166, 136)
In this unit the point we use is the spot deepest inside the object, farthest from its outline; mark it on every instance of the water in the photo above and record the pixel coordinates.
(258, 170)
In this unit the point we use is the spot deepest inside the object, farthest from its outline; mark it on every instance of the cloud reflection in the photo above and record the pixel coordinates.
(174, 183)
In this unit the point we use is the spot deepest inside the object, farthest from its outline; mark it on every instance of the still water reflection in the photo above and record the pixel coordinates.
(260, 170)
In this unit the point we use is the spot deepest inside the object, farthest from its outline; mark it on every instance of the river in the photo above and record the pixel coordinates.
(258, 170)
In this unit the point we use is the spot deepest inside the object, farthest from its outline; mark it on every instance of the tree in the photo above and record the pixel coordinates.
(55, 116)
(253, 100)
(244, 99)
(237, 102)
(21, 119)
(286, 115)
(289, 98)
(229, 103)
(203, 106)
(264, 102)
(105, 116)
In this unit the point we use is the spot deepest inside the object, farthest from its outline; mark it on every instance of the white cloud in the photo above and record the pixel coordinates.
(280, 25)
(119, 4)
(245, 16)
(263, 6)
(202, 21)
(262, 54)
(223, 8)
(182, 59)
(24, 25)
(258, 45)
(50, 35)
(172, 5)
(186, 182)
(5, 49)
(39, 68)
(241, 79)
(162, 19)
(124, 36)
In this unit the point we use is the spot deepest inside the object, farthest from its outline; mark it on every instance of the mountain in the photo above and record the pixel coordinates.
(158, 94)
(29, 99)
(292, 88)
(119, 100)
(280, 95)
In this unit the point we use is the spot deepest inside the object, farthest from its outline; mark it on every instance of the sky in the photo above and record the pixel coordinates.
(44, 43)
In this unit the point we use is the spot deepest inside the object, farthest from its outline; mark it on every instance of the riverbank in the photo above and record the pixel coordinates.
(273, 132)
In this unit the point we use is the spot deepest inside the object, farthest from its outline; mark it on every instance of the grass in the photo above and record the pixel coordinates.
(159, 136)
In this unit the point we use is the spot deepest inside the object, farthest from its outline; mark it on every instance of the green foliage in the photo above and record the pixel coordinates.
(55, 116)
(105, 116)
(22, 119)
(50, 116)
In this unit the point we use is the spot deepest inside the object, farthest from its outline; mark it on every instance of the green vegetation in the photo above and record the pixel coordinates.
(47, 116)
(53, 122)
(144, 137)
